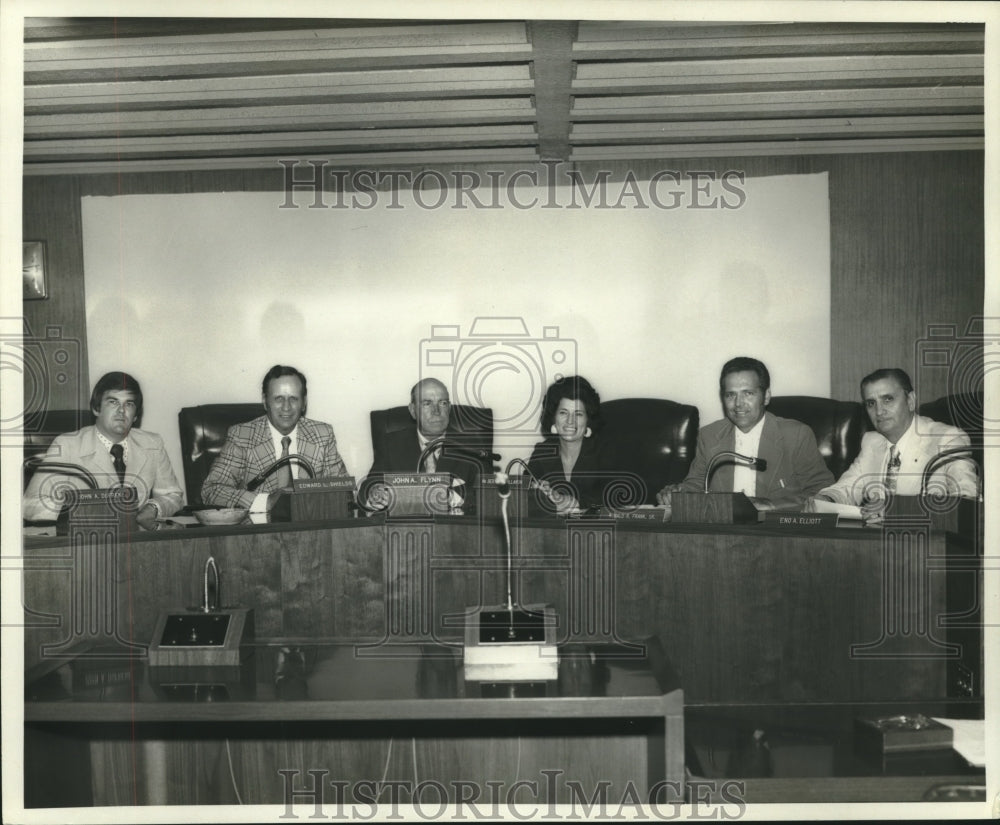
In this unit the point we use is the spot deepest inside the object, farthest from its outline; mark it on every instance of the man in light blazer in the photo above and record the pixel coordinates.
(904, 440)
(253, 447)
(114, 452)
(794, 468)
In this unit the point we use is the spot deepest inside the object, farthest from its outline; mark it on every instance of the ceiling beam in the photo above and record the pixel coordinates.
(241, 53)
(288, 118)
(788, 128)
(786, 147)
(463, 81)
(321, 142)
(906, 100)
(552, 45)
(366, 160)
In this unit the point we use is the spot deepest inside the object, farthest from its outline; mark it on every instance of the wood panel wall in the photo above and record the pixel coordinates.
(907, 248)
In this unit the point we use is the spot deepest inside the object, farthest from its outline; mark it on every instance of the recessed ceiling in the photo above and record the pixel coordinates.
(146, 94)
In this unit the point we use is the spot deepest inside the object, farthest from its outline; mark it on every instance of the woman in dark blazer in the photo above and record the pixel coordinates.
(568, 461)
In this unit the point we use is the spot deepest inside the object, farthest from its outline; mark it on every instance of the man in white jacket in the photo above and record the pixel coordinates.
(893, 458)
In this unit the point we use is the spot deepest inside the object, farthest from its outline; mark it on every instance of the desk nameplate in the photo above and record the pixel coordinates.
(801, 521)
(321, 498)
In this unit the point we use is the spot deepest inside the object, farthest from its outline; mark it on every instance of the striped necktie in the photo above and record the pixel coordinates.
(284, 474)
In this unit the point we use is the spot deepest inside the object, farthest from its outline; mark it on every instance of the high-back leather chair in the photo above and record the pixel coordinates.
(651, 437)
(203, 432)
(963, 410)
(472, 426)
(838, 426)
(41, 428)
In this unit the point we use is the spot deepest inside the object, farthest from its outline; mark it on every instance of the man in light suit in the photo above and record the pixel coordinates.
(114, 452)
(896, 454)
(399, 452)
(255, 446)
(794, 468)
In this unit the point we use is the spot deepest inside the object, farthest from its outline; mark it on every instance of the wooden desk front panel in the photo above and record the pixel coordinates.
(745, 614)
(748, 616)
(184, 764)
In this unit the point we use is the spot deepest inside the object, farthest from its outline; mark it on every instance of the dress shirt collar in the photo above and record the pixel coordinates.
(745, 478)
(749, 443)
(423, 440)
(293, 446)
(108, 444)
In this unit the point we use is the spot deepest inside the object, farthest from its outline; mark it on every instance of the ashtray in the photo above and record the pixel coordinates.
(226, 515)
(901, 733)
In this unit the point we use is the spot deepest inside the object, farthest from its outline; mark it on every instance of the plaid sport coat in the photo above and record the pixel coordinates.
(249, 450)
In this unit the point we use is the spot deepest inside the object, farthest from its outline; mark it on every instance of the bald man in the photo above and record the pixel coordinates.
(399, 452)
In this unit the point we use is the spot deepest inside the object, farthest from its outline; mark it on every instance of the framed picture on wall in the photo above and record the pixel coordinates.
(33, 271)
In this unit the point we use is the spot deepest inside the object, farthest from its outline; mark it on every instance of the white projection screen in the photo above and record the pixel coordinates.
(197, 295)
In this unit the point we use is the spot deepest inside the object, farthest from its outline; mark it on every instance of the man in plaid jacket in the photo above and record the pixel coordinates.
(253, 447)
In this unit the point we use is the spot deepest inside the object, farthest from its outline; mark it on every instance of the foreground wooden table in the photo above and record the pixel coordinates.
(296, 716)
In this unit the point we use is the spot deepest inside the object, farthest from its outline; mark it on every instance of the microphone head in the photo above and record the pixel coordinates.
(760, 464)
(503, 488)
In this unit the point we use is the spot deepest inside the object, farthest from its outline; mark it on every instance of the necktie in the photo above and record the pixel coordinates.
(431, 463)
(117, 457)
(285, 470)
(892, 470)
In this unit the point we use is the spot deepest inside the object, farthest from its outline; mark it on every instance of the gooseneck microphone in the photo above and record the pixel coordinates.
(480, 454)
(503, 489)
(62, 468)
(759, 464)
(258, 479)
(510, 465)
(430, 448)
(210, 564)
(942, 458)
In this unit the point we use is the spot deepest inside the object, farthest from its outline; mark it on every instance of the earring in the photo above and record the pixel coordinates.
(553, 429)
(587, 433)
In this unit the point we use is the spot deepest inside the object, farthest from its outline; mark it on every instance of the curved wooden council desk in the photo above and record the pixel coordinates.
(746, 615)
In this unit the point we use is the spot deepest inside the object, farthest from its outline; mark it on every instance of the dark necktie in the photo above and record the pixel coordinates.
(117, 456)
(892, 470)
(285, 470)
(431, 463)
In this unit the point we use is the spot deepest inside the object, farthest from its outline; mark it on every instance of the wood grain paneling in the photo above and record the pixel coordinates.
(52, 214)
(527, 763)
